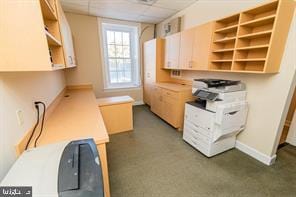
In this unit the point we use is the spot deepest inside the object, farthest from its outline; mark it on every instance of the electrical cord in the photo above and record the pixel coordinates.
(42, 122)
(35, 126)
(37, 123)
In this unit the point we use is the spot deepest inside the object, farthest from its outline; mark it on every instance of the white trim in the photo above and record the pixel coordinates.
(136, 103)
(267, 160)
(134, 29)
(291, 139)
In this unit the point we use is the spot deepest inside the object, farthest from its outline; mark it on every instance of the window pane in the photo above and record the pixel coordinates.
(126, 38)
(110, 37)
(121, 77)
(118, 38)
(111, 50)
(112, 65)
(119, 51)
(128, 76)
(113, 77)
(127, 65)
(120, 65)
(126, 51)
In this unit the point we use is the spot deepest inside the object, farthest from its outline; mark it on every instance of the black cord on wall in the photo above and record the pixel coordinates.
(35, 126)
(42, 122)
(37, 123)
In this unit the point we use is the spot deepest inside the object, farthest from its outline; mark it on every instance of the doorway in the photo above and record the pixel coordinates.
(288, 121)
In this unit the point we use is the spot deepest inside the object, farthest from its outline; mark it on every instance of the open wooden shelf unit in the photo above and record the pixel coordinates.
(52, 32)
(251, 41)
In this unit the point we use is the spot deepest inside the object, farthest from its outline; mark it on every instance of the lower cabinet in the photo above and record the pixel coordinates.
(169, 104)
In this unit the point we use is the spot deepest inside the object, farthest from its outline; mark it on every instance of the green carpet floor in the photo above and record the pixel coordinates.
(154, 161)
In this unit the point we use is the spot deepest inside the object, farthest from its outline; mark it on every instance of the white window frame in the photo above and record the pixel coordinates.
(133, 28)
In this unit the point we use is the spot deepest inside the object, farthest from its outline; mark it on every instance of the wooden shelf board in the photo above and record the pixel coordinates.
(224, 40)
(47, 11)
(52, 41)
(223, 50)
(218, 61)
(259, 22)
(256, 35)
(58, 66)
(251, 60)
(253, 47)
(227, 29)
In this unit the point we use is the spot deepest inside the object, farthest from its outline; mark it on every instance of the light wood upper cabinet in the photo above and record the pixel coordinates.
(67, 39)
(202, 46)
(186, 48)
(195, 44)
(25, 43)
(172, 51)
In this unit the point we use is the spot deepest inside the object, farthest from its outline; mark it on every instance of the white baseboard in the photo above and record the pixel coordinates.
(138, 103)
(267, 160)
(291, 140)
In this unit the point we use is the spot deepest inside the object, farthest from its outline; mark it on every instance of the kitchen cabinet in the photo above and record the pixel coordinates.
(172, 51)
(153, 59)
(195, 46)
(169, 101)
(186, 48)
(201, 46)
(30, 36)
(67, 39)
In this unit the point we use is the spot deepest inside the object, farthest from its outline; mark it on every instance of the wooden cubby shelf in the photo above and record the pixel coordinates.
(257, 34)
(52, 41)
(48, 10)
(251, 60)
(225, 60)
(227, 29)
(252, 47)
(259, 21)
(223, 50)
(225, 40)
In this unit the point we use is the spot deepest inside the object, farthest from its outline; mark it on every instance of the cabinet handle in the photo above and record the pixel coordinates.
(190, 64)
(71, 60)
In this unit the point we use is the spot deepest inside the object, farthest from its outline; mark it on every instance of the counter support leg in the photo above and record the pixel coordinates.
(103, 157)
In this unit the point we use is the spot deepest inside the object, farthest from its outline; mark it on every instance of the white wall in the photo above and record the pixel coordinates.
(88, 52)
(267, 94)
(18, 91)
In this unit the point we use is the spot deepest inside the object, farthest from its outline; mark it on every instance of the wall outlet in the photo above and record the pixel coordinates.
(20, 117)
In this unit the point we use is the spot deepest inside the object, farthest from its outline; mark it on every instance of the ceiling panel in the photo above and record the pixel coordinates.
(159, 12)
(174, 5)
(130, 10)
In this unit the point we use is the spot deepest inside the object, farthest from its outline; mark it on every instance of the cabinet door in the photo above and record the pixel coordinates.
(172, 51)
(23, 43)
(156, 101)
(149, 61)
(201, 48)
(186, 48)
(148, 93)
(170, 110)
(67, 39)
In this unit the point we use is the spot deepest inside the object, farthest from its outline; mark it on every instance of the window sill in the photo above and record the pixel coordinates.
(117, 89)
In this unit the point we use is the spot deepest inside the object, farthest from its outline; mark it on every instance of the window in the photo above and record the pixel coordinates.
(121, 56)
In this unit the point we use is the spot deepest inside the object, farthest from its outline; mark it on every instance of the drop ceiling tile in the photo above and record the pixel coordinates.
(150, 19)
(159, 12)
(122, 6)
(76, 6)
(174, 4)
(101, 12)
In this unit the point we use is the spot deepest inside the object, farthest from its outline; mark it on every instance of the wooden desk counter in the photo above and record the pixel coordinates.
(77, 116)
